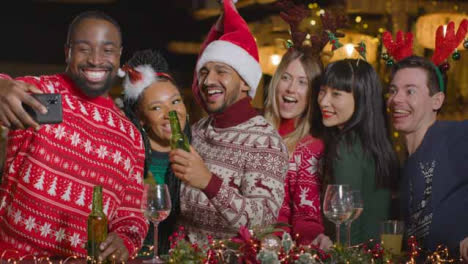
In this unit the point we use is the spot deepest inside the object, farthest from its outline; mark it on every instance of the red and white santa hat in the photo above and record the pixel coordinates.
(236, 48)
(137, 79)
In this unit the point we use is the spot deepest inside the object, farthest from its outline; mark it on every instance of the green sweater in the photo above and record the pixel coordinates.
(159, 165)
(357, 169)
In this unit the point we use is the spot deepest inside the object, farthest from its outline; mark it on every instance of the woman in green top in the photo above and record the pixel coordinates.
(149, 94)
(358, 151)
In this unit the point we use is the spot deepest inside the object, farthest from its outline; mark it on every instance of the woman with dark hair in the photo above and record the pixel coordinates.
(358, 148)
(289, 109)
(150, 93)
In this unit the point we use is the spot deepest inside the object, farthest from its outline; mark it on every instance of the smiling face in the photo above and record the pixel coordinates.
(93, 56)
(337, 106)
(220, 86)
(292, 91)
(412, 107)
(154, 106)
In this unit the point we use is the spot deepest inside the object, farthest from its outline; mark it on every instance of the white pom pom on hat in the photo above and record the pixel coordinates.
(121, 73)
(137, 80)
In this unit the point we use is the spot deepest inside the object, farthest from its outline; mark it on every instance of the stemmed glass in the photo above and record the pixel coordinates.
(337, 205)
(156, 206)
(358, 207)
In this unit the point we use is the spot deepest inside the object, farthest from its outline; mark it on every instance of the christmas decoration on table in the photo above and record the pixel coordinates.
(185, 252)
(413, 248)
(263, 245)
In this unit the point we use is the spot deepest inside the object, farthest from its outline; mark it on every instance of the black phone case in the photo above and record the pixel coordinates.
(53, 102)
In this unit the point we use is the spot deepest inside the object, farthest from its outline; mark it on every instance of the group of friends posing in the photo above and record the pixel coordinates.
(319, 126)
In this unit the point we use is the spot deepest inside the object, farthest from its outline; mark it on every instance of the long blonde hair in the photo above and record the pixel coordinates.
(313, 68)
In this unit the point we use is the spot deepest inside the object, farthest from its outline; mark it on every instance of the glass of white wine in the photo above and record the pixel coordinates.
(358, 207)
(337, 206)
(156, 206)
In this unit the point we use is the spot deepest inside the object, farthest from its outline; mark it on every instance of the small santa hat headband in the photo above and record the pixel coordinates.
(445, 44)
(138, 79)
(236, 48)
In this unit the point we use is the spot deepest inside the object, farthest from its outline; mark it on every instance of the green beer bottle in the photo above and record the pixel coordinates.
(97, 226)
(178, 138)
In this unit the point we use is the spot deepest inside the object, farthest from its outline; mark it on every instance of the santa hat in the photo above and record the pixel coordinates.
(236, 48)
(137, 79)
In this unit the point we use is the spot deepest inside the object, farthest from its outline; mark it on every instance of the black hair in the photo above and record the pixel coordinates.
(149, 57)
(159, 64)
(368, 123)
(93, 14)
(428, 67)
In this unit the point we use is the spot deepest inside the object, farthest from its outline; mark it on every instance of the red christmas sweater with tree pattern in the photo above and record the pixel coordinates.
(48, 179)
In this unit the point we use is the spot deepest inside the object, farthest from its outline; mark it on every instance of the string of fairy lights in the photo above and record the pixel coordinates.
(28, 258)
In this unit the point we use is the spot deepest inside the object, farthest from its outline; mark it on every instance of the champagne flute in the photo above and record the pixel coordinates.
(337, 206)
(156, 206)
(358, 207)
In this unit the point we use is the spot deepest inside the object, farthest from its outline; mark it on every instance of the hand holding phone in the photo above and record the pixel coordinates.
(53, 103)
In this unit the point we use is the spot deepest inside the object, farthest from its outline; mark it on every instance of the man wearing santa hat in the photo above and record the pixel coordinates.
(234, 174)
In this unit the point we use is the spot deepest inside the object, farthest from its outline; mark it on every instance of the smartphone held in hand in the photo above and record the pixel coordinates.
(53, 103)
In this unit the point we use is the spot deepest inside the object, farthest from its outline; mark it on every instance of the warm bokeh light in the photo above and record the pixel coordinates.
(275, 59)
(349, 49)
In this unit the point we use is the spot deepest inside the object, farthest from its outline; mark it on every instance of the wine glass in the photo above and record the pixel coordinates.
(358, 207)
(337, 205)
(156, 206)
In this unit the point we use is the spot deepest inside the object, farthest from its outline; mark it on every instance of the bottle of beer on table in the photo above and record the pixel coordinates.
(178, 138)
(97, 226)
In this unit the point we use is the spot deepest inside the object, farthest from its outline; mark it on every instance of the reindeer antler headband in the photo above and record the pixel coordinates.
(445, 45)
(293, 13)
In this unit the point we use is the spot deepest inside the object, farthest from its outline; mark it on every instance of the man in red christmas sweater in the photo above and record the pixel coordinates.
(50, 170)
(234, 174)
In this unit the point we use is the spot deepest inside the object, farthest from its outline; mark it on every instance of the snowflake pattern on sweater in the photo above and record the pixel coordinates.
(251, 161)
(50, 173)
(301, 206)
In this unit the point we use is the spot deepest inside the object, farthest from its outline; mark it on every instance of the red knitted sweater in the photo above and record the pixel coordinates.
(301, 205)
(48, 180)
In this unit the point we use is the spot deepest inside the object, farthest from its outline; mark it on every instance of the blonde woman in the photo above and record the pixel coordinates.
(289, 109)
